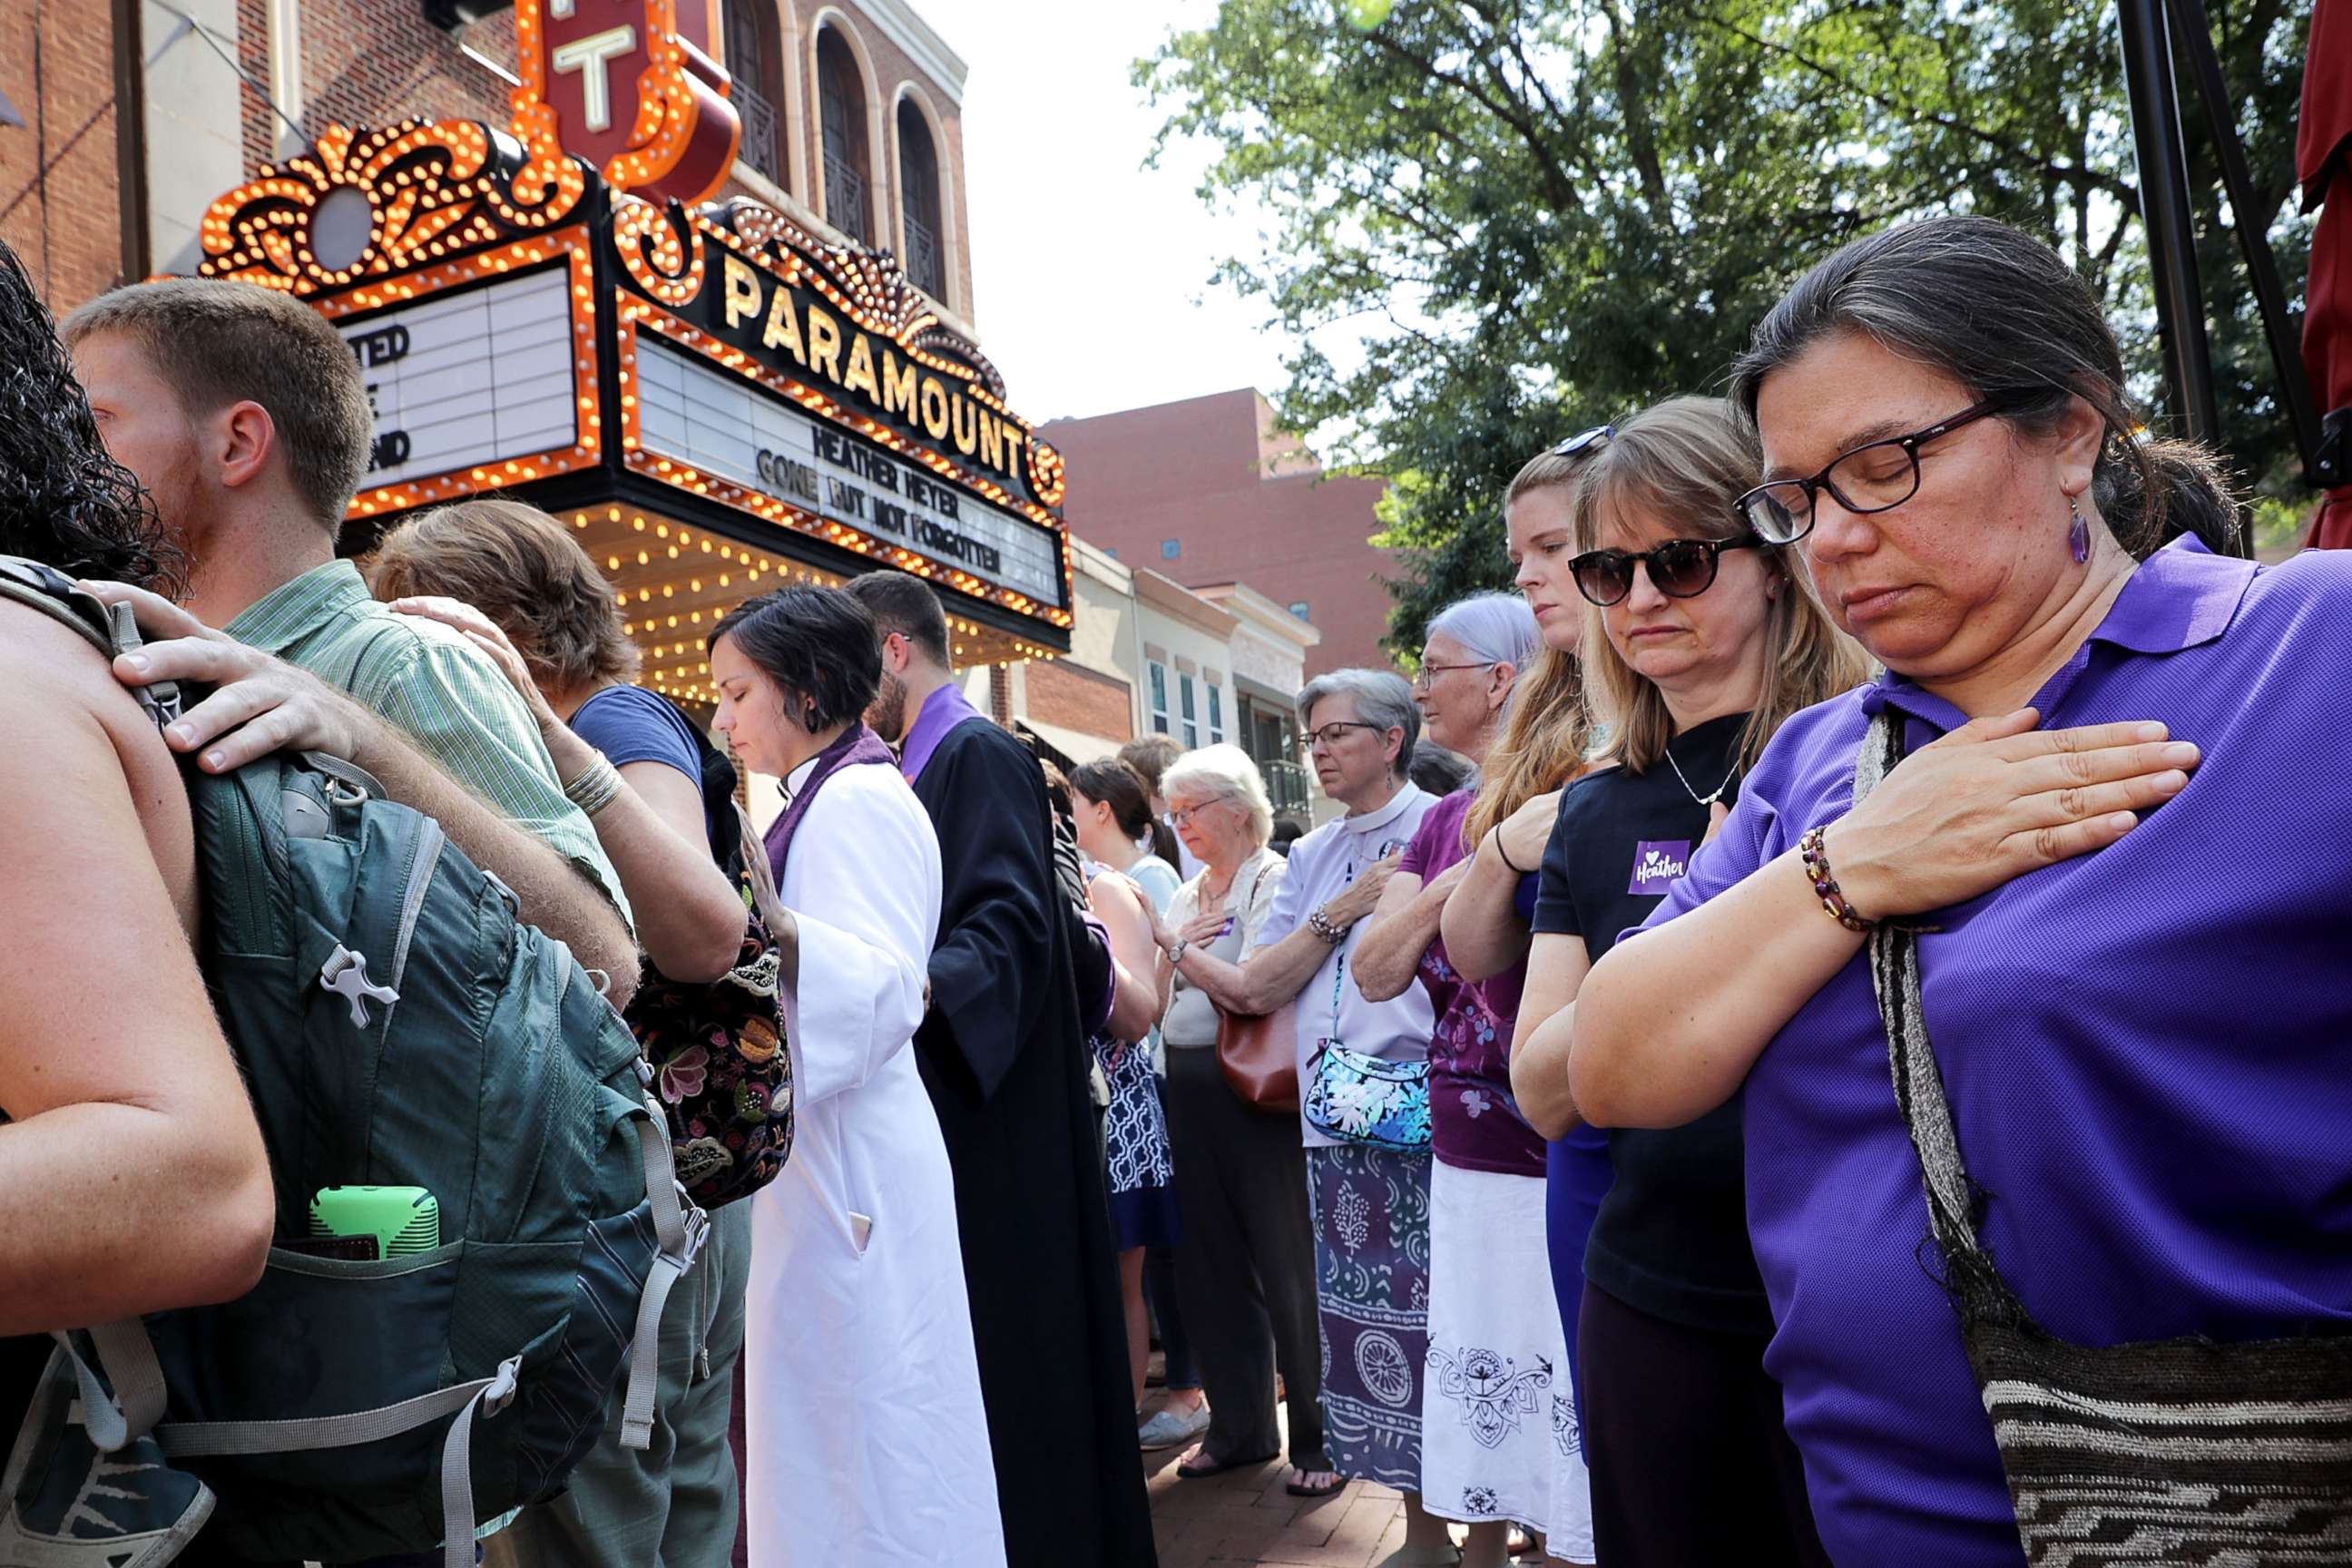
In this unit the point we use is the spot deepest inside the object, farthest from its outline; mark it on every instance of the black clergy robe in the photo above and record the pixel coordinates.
(1004, 1056)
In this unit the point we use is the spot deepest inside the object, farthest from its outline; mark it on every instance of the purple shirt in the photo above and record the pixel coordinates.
(1475, 1124)
(943, 711)
(2145, 1050)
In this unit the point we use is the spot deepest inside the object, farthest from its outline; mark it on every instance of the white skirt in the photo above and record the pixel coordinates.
(1499, 1423)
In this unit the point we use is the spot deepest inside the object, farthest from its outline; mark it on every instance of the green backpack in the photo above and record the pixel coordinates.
(398, 1027)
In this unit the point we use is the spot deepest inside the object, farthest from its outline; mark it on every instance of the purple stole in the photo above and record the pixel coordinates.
(854, 745)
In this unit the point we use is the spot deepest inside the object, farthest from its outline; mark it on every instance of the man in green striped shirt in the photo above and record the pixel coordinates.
(244, 415)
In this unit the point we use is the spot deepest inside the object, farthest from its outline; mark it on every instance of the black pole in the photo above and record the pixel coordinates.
(2279, 326)
(130, 139)
(2164, 208)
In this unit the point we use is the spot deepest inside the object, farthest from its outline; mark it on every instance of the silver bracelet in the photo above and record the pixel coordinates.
(597, 786)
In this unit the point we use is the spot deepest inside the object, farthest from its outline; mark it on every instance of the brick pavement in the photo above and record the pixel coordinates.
(1245, 1516)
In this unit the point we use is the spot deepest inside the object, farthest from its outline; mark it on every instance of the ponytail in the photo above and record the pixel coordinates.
(2155, 489)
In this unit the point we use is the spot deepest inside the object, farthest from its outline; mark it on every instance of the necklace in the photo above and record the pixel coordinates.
(1707, 800)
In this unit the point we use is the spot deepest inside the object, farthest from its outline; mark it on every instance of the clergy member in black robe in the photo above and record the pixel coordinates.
(1004, 1054)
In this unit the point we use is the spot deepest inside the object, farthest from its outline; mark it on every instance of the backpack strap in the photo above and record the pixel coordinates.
(680, 1228)
(110, 629)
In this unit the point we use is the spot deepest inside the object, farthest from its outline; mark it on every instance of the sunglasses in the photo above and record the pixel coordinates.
(1680, 568)
(1584, 439)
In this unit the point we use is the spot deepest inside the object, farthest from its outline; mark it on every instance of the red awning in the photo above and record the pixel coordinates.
(2323, 165)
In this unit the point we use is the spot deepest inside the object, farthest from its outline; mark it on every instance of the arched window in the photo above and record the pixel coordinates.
(919, 197)
(840, 107)
(755, 58)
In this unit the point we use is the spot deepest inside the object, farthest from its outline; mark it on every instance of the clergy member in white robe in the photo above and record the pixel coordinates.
(866, 1440)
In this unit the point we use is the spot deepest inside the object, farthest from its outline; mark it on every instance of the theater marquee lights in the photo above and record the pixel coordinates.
(723, 401)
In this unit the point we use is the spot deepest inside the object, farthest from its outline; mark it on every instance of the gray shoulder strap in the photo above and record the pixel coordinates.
(110, 630)
(54, 595)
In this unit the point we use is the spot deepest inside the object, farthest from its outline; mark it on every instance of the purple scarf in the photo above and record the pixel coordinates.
(854, 745)
(943, 711)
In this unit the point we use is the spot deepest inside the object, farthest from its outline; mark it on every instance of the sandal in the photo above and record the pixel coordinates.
(1314, 1489)
(1201, 1465)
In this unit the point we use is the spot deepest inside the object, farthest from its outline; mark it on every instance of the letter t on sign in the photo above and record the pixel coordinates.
(588, 55)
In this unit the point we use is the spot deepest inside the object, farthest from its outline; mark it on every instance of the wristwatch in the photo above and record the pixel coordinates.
(1177, 949)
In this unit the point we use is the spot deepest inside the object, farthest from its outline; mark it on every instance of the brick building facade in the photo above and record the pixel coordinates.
(852, 110)
(60, 183)
(1208, 491)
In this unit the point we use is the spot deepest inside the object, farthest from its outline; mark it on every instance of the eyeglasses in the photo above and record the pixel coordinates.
(1878, 477)
(1584, 439)
(1179, 817)
(1331, 735)
(1421, 682)
(1680, 568)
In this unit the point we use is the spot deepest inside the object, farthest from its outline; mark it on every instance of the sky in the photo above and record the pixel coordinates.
(1090, 283)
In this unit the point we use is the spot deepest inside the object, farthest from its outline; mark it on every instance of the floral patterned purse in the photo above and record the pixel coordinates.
(717, 1052)
(1359, 1099)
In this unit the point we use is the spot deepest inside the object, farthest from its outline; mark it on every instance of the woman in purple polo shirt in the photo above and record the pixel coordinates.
(2108, 831)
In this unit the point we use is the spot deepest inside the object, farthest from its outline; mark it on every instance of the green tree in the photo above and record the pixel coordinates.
(1540, 214)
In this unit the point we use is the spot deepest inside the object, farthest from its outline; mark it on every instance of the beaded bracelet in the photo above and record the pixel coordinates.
(597, 786)
(1825, 887)
(1322, 926)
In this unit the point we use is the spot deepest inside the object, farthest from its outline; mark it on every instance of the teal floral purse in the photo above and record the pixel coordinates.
(1359, 1099)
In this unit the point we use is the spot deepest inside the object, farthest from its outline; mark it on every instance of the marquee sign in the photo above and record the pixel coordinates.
(631, 86)
(469, 377)
(760, 292)
(735, 430)
(845, 336)
(545, 303)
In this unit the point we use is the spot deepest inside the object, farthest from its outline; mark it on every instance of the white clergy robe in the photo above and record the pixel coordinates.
(867, 1441)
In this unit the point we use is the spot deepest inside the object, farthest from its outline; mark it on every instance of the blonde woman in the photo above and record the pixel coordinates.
(1698, 641)
(1486, 920)
(1495, 1421)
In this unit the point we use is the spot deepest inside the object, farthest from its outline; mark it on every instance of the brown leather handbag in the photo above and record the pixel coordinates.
(1259, 1053)
(1260, 1058)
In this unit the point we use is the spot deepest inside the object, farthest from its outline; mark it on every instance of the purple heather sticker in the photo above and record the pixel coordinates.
(1658, 864)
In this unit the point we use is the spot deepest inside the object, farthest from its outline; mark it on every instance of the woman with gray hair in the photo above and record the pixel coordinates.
(1497, 1358)
(1245, 1260)
(1364, 1115)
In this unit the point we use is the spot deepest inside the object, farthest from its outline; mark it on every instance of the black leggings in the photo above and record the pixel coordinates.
(1691, 1465)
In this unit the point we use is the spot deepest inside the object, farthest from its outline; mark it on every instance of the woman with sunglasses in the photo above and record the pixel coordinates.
(1490, 1446)
(2077, 827)
(1699, 643)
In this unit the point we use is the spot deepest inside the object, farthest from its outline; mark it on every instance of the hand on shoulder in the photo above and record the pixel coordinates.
(258, 704)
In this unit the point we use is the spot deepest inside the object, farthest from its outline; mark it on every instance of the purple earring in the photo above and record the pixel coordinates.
(2078, 537)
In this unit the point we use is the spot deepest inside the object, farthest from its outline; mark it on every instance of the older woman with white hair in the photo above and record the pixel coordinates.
(1245, 1260)
(1363, 1065)
(1494, 1439)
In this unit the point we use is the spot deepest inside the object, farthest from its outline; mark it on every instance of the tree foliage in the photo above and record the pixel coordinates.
(1539, 215)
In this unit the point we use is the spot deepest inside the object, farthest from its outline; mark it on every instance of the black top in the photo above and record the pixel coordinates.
(1004, 1056)
(21, 1362)
(1671, 1238)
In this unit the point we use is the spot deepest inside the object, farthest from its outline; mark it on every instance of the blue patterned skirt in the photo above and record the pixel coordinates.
(1372, 1297)
(1139, 1174)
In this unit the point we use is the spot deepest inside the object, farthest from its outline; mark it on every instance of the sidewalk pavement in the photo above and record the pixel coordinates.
(1245, 1516)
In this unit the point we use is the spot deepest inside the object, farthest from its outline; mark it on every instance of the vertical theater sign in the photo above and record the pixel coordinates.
(720, 401)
